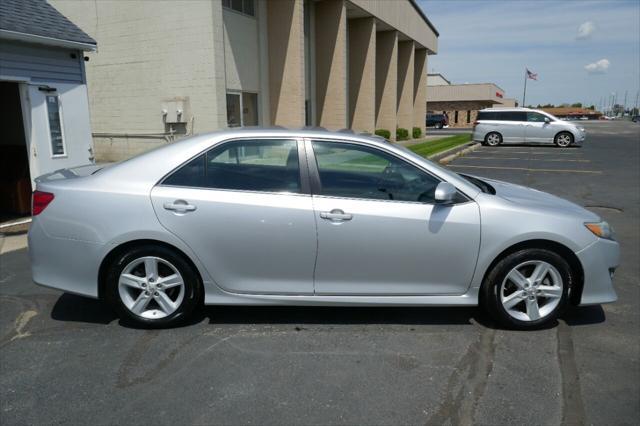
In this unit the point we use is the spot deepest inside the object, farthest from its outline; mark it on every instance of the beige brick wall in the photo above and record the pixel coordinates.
(285, 29)
(150, 51)
(405, 85)
(331, 64)
(420, 88)
(461, 107)
(386, 80)
(362, 71)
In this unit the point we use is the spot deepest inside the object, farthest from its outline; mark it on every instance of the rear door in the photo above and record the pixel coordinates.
(537, 130)
(244, 208)
(379, 230)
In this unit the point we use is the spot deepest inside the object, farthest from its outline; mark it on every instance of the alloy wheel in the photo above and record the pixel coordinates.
(563, 140)
(493, 139)
(531, 291)
(151, 287)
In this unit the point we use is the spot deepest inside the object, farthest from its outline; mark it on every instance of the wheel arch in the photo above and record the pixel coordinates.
(558, 133)
(121, 248)
(575, 292)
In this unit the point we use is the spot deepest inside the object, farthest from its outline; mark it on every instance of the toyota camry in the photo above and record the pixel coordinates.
(311, 217)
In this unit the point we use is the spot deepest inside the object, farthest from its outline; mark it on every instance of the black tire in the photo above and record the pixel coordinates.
(489, 136)
(438, 125)
(559, 141)
(491, 287)
(191, 299)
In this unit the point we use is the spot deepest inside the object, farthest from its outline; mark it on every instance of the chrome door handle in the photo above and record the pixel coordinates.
(336, 215)
(179, 206)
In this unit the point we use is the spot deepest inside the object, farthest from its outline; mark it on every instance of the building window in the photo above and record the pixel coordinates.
(243, 6)
(468, 117)
(455, 117)
(55, 126)
(242, 109)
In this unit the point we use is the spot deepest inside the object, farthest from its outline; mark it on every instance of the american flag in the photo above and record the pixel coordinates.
(531, 75)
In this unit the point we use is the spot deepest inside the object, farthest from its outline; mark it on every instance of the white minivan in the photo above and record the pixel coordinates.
(495, 126)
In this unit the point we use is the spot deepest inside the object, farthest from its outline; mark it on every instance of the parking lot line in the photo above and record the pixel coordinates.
(596, 172)
(519, 158)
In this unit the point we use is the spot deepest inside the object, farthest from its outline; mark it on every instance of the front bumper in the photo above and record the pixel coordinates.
(599, 260)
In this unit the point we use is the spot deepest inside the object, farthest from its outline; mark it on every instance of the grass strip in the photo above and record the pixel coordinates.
(435, 146)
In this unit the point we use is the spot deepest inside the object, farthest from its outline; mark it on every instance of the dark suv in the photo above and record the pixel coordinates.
(437, 120)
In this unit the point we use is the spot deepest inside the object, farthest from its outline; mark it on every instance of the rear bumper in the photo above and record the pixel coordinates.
(64, 264)
(599, 260)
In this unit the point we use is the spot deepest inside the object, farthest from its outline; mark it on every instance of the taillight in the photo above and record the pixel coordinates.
(475, 123)
(40, 201)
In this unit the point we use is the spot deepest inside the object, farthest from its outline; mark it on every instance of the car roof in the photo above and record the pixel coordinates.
(510, 109)
(303, 132)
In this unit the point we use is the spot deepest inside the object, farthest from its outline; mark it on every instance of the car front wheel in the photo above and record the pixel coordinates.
(152, 286)
(563, 139)
(527, 289)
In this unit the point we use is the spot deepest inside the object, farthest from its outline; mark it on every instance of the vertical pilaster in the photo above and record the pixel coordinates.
(331, 63)
(386, 80)
(362, 71)
(420, 89)
(405, 84)
(285, 28)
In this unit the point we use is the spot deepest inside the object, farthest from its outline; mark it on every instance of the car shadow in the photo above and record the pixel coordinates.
(549, 146)
(72, 308)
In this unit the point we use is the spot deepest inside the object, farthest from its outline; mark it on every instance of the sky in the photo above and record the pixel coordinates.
(582, 50)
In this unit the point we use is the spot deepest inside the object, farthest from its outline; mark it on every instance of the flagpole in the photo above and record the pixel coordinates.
(524, 95)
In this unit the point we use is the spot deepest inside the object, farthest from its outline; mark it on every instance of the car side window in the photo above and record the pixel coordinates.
(249, 165)
(355, 171)
(535, 117)
(513, 116)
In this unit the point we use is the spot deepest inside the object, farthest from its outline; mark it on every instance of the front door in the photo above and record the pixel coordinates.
(379, 230)
(537, 129)
(244, 211)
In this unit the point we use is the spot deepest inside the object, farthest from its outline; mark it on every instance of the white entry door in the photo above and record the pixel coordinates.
(57, 126)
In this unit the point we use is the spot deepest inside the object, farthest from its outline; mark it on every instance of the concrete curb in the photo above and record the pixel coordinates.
(453, 153)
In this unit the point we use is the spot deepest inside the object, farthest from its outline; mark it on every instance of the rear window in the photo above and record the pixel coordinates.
(503, 115)
(260, 165)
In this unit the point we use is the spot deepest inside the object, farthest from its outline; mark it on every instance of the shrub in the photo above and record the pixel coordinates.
(417, 132)
(384, 133)
(402, 134)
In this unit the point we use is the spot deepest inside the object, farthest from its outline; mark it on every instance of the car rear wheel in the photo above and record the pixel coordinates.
(527, 289)
(152, 286)
(438, 125)
(563, 139)
(493, 139)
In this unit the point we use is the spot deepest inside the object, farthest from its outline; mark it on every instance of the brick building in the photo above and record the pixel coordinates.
(166, 69)
(461, 102)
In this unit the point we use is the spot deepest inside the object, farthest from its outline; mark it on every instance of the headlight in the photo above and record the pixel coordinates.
(600, 229)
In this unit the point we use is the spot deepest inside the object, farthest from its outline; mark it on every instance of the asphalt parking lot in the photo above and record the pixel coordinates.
(68, 360)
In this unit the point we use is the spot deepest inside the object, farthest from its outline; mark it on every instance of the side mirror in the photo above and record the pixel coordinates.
(445, 193)
(547, 120)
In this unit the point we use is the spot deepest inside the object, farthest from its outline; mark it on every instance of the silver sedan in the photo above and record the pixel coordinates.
(280, 217)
